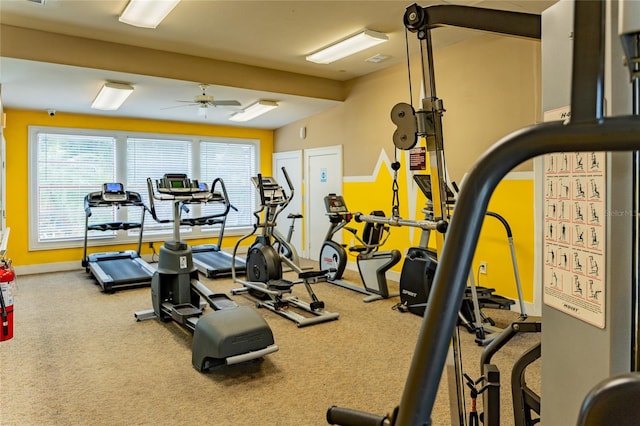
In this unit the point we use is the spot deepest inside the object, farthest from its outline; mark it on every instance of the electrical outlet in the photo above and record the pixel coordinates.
(151, 245)
(483, 267)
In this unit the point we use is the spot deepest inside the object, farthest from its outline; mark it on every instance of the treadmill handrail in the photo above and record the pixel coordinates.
(95, 199)
(214, 196)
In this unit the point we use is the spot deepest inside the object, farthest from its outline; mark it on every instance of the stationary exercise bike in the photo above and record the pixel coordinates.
(372, 263)
(264, 278)
(230, 334)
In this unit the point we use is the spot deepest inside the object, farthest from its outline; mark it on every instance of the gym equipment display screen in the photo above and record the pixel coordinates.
(113, 188)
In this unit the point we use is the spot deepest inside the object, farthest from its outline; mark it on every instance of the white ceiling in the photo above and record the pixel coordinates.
(267, 34)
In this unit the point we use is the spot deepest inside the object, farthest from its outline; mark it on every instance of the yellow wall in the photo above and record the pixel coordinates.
(513, 200)
(16, 135)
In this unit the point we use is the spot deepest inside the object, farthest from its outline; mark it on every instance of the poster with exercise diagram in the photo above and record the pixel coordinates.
(575, 234)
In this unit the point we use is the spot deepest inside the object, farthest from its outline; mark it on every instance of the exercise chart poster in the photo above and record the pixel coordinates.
(575, 234)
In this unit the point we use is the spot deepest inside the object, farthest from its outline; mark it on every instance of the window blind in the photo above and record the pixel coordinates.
(154, 158)
(235, 164)
(69, 167)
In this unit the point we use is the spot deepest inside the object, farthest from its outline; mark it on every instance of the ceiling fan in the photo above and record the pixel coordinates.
(204, 101)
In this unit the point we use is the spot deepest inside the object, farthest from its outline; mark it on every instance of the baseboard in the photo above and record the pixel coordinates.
(46, 268)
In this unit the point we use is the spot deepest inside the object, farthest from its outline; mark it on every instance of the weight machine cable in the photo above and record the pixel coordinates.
(406, 44)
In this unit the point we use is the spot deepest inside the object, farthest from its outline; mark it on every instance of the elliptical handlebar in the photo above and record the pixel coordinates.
(261, 190)
(438, 225)
(289, 184)
(278, 199)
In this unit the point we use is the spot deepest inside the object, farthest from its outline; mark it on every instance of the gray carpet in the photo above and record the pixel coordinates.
(79, 358)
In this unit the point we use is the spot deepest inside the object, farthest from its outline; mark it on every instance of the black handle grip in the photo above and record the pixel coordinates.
(286, 176)
(261, 189)
(348, 417)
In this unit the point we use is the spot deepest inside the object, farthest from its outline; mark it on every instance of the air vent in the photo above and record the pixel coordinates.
(377, 58)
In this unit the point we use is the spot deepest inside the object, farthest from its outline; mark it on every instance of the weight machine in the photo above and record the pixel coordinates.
(427, 123)
(587, 130)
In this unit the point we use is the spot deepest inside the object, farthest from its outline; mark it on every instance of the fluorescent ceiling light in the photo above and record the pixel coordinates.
(254, 110)
(111, 96)
(344, 48)
(147, 13)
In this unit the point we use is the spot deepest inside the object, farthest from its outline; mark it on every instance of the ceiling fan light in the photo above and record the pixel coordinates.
(361, 41)
(146, 13)
(111, 96)
(254, 110)
(202, 111)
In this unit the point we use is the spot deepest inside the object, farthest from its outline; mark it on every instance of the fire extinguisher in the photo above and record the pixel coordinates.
(7, 279)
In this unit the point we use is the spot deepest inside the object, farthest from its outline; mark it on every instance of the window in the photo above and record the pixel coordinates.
(67, 164)
(229, 162)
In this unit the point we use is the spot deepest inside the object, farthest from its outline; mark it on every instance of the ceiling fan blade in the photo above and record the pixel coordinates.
(180, 106)
(225, 103)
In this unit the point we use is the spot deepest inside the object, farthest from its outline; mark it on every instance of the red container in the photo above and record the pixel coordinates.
(7, 278)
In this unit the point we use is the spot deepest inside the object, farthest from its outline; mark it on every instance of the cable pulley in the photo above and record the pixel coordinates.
(404, 117)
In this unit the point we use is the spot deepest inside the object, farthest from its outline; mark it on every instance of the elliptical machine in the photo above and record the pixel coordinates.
(230, 334)
(264, 275)
(372, 264)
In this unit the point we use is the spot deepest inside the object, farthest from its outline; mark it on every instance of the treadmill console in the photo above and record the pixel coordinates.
(113, 192)
(179, 184)
(334, 204)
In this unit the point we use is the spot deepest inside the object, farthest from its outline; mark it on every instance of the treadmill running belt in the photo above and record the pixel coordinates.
(217, 263)
(125, 271)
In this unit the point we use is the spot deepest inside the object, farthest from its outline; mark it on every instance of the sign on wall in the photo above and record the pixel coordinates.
(575, 234)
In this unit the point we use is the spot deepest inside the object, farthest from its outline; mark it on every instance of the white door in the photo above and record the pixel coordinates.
(323, 175)
(292, 162)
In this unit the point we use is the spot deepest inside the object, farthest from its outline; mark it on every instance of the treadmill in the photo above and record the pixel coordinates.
(119, 269)
(210, 259)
